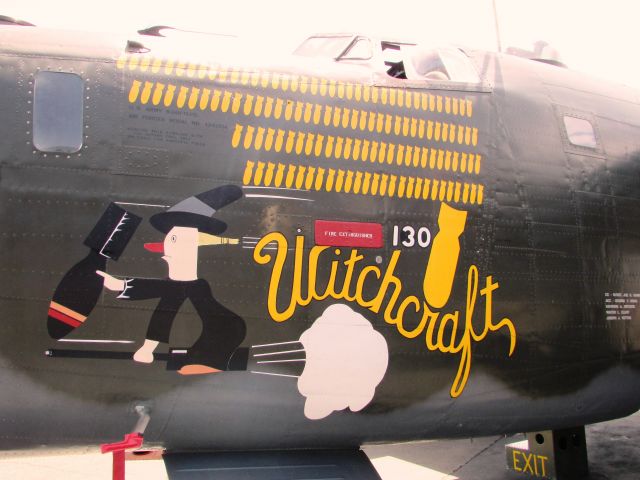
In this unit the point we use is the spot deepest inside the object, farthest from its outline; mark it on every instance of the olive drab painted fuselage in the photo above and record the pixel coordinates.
(310, 253)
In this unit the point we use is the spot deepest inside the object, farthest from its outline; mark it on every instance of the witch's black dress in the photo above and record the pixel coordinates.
(222, 330)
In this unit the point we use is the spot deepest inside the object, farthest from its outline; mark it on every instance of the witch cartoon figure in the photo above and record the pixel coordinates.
(187, 226)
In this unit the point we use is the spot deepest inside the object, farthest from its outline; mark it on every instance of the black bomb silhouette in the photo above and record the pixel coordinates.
(79, 290)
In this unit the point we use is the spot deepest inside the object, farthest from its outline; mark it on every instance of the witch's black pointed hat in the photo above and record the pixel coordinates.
(197, 211)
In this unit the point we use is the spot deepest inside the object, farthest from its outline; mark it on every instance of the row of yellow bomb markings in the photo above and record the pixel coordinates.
(337, 147)
(155, 93)
(301, 177)
(285, 82)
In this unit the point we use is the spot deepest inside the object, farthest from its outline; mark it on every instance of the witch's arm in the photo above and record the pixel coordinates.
(134, 288)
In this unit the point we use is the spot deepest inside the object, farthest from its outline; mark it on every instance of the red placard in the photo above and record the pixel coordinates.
(348, 234)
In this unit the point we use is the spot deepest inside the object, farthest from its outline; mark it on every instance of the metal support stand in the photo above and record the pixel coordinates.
(552, 454)
(130, 441)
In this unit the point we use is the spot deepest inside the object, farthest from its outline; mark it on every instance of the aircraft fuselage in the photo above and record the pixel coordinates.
(401, 259)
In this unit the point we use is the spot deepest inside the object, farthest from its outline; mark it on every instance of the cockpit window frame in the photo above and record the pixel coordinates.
(344, 55)
(348, 41)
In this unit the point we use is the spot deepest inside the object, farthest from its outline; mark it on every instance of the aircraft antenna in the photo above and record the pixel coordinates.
(495, 19)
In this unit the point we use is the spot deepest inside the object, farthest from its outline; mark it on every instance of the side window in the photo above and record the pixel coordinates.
(58, 112)
(580, 132)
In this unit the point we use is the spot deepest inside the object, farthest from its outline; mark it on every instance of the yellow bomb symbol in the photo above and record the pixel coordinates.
(441, 268)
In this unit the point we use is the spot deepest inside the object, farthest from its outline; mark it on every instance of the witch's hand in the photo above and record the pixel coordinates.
(111, 282)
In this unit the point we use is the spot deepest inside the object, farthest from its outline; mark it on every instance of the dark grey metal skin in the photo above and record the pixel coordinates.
(556, 226)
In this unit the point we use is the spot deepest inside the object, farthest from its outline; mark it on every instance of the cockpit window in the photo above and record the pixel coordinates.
(324, 47)
(397, 59)
(394, 56)
(428, 64)
(443, 64)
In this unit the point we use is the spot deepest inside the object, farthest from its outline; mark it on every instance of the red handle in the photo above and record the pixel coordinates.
(131, 440)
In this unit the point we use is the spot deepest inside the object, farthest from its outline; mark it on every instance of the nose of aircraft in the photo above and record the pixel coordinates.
(157, 247)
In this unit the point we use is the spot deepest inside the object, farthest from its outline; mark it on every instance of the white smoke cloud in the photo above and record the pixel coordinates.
(346, 360)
